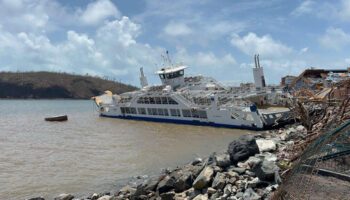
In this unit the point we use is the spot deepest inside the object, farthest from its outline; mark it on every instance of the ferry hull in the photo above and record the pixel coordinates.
(179, 121)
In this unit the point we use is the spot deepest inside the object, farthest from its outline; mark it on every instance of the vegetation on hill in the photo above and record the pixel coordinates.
(49, 85)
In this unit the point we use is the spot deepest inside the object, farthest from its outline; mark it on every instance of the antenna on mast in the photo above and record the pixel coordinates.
(168, 57)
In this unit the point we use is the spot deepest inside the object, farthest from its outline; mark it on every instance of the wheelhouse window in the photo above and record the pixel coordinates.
(172, 75)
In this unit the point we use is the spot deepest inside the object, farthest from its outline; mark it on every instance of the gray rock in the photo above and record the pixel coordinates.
(238, 170)
(266, 145)
(193, 193)
(232, 174)
(239, 194)
(127, 191)
(219, 181)
(37, 198)
(223, 160)
(232, 198)
(265, 170)
(166, 184)
(241, 148)
(201, 197)
(196, 170)
(105, 197)
(232, 180)
(284, 136)
(197, 161)
(269, 157)
(64, 197)
(249, 194)
(145, 188)
(168, 195)
(228, 189)
(184, 182)
(300, 128)
(253, 183)
(250, 173)
(94, 196)
(211, 190)
(215, 196)
(203, 178)
(278, 179)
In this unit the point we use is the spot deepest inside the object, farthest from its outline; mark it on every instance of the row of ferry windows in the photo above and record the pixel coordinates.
(156, 100)
(164, 112)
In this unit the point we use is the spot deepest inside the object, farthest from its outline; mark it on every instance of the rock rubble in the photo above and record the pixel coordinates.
(248, 170)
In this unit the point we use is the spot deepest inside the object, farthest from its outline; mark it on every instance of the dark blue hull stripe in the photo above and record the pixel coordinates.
(179, 121)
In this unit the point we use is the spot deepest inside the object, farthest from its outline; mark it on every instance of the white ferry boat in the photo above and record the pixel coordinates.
(198, 100)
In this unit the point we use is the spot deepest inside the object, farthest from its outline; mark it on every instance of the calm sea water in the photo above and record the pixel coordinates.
(89, 153)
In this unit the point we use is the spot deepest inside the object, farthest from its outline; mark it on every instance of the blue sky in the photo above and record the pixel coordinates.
(216, 38)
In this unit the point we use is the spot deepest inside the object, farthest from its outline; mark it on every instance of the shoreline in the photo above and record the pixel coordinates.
(248, 168)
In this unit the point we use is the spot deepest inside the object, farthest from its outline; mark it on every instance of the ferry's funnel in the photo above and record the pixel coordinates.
(258, 72)
(143, 79)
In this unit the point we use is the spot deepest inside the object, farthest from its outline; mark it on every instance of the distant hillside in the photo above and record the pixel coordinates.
(49, 85)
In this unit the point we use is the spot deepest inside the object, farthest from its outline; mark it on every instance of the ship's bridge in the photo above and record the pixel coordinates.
(173, 76)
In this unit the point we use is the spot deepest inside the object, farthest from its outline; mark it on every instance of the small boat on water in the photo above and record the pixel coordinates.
(57, 118)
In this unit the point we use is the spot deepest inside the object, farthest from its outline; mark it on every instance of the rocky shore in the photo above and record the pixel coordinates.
(249, 169)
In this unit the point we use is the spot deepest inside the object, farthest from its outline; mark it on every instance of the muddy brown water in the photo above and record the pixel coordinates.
(89, 153)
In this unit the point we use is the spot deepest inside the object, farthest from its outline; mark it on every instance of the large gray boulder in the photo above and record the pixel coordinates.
(166, 184)
(183, 180)
(242, 148)
(64, 197)
(266, 145)
(167, 196)
(219, 181)
(265, 170)
(249, 194)
(145, 188)
(223, 160)
(203, 178)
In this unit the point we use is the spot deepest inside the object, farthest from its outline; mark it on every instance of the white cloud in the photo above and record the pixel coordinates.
(344, 12)
(334, 38)
(304, 50)
(266, 46)
(304, 8)
(205, 60)
(177, 29)
(124, 30)
(347, 61)
(97, 12)
(112, 50)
